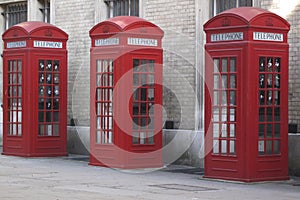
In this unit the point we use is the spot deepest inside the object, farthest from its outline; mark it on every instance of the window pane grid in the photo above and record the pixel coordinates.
(122, 7)
(15, 13)
(224, 106)
(49, 97)
(14, 100)
(222, 5)
(104, 101)
(142, 101)
(45, 9)
(269, 105)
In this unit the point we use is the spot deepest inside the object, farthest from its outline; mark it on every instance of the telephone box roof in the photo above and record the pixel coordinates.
(34, 28)
(130, 24)
(247, 17)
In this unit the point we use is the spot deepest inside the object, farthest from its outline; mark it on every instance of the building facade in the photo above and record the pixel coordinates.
(183, 44)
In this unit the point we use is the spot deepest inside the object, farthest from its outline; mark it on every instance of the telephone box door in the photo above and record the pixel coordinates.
(223, 76)
(13, 104)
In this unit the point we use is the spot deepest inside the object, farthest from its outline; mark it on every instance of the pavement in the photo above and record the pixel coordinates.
(71, 177)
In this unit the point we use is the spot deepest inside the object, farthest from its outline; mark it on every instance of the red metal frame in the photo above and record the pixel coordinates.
(247, 64)
(126, 79)
(34, 85)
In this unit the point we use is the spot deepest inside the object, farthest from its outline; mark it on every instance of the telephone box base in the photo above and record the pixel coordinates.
(35, 155)
(262, 179)
(134, 163)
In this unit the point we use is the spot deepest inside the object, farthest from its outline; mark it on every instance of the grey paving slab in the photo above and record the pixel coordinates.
(66, 178)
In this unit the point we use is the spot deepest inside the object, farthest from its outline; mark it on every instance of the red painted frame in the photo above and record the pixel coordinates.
(246, 163)
(120, 39)
(21, 43)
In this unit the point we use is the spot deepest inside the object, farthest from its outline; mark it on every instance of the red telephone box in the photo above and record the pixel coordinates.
(34, 87)
(126, 93)
(246, 98)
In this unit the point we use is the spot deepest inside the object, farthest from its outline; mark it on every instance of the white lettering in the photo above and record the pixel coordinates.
(142, 42)
(106, 42)
(262, 36)
(227, 36)
(18, 44)
(47, 44)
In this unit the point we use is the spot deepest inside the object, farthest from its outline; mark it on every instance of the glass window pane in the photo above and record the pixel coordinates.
(232, 115)
(277, 130)
(261, 113)
(150, 78)
(276, 114)
(232, 130)
(232, 81)
(216, 81)
(216, 130)
(136, 79)
(232, 147)
(261, 130)
(262, 61)
(216, 65)
(269, 146)
(269, 64)
(224, 65)
(232, 64)
(135, 123)
(232, 97)
(142, 137)
(215, 146)
(277, 97)
(151, 66)
(144, 79)
(269, 130)
(222, 5)
(269, 81)
(223, 146)
(151, 94)
(98, 136)
(269, 97)
(245, 3)
(55, 116)
(49, 130)
(224, 81)
(216, 115)
(269, 115)
(55, 130)
(276, 146)
(41, 130)
(261, 97)
(261, 147)
(150, 138)
(19, 129)
(224, 130)
(216, 98)
(277, 64)
(262, 81)
(136, 65)
(224, 114)
(224, 98)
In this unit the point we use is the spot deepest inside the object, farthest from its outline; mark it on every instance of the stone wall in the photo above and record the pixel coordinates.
(177, 19)
(77, 18)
